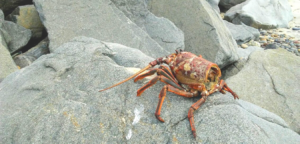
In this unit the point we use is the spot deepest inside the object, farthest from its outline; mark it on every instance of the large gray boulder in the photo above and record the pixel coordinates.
(266, 14)
(162, 30)
(204, 30)
(16, 37)
(270, 79)
(57, 101)
(242, 33)
(7, 6)
(227, 4)
(27, 17)
(99, 19)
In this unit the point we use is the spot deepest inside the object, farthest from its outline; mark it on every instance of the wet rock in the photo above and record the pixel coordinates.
(204, 30)
(160, 29)
(227, 4)
(270, 79)
(15, 36)
(261, 14)
(107, 23)
(27, 17)
(242, 33)
(59, 93)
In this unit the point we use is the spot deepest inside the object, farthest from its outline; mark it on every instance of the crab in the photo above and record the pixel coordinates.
(188, 75)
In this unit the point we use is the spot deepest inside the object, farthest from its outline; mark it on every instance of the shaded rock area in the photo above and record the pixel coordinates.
(27, 58)
(270, 79)
(214, 4)
(205, 32)
(27, 17)
(107, 23)
(242, 33)
(7, 6)
(265, 14)
(64, 105)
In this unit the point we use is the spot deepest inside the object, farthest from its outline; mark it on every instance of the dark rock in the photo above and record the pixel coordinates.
(15, 36)
(23, 60)
(242, 33)
(270, 79)
(227, 4)
(261, 14)
(160, 29)
(7, 6)
(107, 23)
(271, 46)
(57, 101)
(295, 28)
(204, 30)
(28, 17)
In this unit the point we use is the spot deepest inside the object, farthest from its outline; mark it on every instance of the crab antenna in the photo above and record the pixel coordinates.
(142, 70)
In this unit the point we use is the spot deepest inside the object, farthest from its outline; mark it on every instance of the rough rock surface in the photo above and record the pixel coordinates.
(162, 30)
(270, 79)
(28, 17)
(107, 23)
(63, 105)
(236, 67)
(15, 36)
(205, 33)
(242, 33)
(7, 64)
(265, 14)
(227, 4)
(7, 6)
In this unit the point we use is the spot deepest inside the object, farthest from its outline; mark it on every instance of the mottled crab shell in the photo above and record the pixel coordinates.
(191, 69)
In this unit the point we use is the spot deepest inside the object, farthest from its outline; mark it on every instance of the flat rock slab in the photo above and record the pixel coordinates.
(99, 19)
(270, 79)
(57, 101)
(204, 30)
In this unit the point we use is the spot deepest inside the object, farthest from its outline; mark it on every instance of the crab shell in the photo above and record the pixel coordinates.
(194, 71)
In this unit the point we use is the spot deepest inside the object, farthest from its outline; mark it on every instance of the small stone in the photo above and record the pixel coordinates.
(296, 42)
(295, 28)
(298, 50)
(244, 45)
(271, 46)
(263, 32)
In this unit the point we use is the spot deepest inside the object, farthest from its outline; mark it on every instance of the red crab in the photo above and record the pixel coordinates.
(188, 76)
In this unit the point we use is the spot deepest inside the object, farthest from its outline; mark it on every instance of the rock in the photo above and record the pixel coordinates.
(242, 33)
(244, 45)
(204, 30)
(15, 36)
(7, 65)
(58, 102)
(214, 4)
(270, 79)
(236, 67)
(271, 46)
(266, 14)
(160, 29)
(227, 4)
(28, 17)
(253, 43)
(7, 6)
(32, 54)
(295, 28)
(107, 23)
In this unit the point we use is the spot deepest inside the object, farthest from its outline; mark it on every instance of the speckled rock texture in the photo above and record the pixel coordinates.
(57, 101)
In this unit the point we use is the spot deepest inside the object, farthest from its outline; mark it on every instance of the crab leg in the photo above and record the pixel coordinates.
(162, 96)
(154, 80)
(224, 86)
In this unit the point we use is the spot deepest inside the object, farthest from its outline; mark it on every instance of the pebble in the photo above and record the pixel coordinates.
(271, 46)
(295, 28)
(244, 45)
